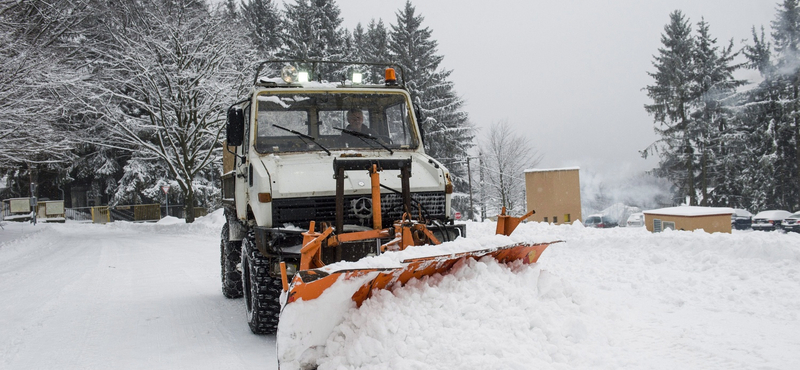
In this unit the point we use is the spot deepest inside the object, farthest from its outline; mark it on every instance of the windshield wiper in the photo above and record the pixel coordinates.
(363, 136)
(302, 135)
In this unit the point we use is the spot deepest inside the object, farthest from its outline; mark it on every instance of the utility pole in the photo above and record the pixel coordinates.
(34, 178)
(469, 181)
(483, 195)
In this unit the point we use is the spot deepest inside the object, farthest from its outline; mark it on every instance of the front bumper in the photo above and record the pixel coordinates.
(795, 228)
(763, 227)
(286, 243)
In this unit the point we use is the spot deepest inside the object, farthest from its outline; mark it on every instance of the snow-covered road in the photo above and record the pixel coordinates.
(120, 296)
(133, 296)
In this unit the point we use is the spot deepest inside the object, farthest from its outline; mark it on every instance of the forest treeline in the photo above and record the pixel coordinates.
(104, 102)
(724, 141)
(114, 99)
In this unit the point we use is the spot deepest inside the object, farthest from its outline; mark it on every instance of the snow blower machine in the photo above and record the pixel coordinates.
(319, 173)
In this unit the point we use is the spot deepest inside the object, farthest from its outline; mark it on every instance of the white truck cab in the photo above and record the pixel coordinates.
(295, 154)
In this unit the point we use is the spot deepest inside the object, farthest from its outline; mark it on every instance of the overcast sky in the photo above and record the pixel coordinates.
(567, 74)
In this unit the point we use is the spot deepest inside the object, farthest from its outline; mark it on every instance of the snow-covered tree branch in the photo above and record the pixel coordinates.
(170, 76)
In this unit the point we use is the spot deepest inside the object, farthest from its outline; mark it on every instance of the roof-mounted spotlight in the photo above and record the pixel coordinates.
(357, 78)
(302, 77)
(289, 74)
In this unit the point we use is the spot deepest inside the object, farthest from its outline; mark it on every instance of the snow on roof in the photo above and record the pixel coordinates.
(317, 84)
(691, 211)
(552, 169)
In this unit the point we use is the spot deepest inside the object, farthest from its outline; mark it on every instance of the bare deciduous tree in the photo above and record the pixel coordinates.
(32, 77)
(171, 73)
(505, 155)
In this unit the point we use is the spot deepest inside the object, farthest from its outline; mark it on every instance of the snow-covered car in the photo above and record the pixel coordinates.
(635, 220)
(741, 219)
(792, 223)
(769, 220)
(599, 221)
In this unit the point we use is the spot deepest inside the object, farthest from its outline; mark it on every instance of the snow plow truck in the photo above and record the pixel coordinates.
(304, 188)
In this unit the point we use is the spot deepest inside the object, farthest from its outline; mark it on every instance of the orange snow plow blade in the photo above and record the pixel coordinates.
(310, 284)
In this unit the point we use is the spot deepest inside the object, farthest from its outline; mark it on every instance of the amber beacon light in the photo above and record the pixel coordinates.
(391, 80)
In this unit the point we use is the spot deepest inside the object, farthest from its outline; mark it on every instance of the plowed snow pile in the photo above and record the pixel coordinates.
(606, 298)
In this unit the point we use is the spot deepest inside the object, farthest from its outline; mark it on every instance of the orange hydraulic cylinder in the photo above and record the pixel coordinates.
(284, 277)
(376, 197)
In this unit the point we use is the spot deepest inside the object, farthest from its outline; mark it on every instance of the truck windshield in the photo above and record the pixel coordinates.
(323, 116)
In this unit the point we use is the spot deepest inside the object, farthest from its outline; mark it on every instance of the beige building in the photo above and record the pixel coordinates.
(555, 195)
(709, 219)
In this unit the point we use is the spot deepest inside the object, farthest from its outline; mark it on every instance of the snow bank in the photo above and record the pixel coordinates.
(210, 224)
(606, 298)
(450, 322)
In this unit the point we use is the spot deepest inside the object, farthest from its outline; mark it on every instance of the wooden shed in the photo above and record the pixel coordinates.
(709, 219)
(555, 194)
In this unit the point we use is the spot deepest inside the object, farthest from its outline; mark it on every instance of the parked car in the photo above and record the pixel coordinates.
(792, 223)
(741, 219)
(599, 221)
(635, 220)
(769, 220)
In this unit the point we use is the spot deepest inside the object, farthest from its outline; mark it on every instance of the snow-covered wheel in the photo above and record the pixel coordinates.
(261, 292)
(230, 257)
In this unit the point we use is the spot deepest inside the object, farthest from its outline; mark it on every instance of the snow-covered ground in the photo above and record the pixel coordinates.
(132, 296)
(120, 296)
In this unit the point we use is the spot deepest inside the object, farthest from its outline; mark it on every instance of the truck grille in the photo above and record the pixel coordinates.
(299, 211)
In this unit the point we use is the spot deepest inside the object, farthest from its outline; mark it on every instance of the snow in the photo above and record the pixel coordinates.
(170, 220)
(132, 295)
(120, 296)
(691, 211)
(552, 169)
(773, 214)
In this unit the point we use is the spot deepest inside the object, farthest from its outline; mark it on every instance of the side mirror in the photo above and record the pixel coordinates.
(418, 114)
(235, 127)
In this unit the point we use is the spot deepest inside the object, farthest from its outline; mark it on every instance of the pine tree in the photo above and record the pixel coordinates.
(263, 22)
(714, 86)
(672, 96)
(312, 31)
(376, 49)
(447, 131)
(359, 44)
(786, 40)
(771, 112)
(759, 54)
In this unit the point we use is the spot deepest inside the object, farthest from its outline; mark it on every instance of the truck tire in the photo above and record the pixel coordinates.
(261, 292)
(230, 257)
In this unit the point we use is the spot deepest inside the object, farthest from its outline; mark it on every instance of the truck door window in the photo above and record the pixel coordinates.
(396, 120)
